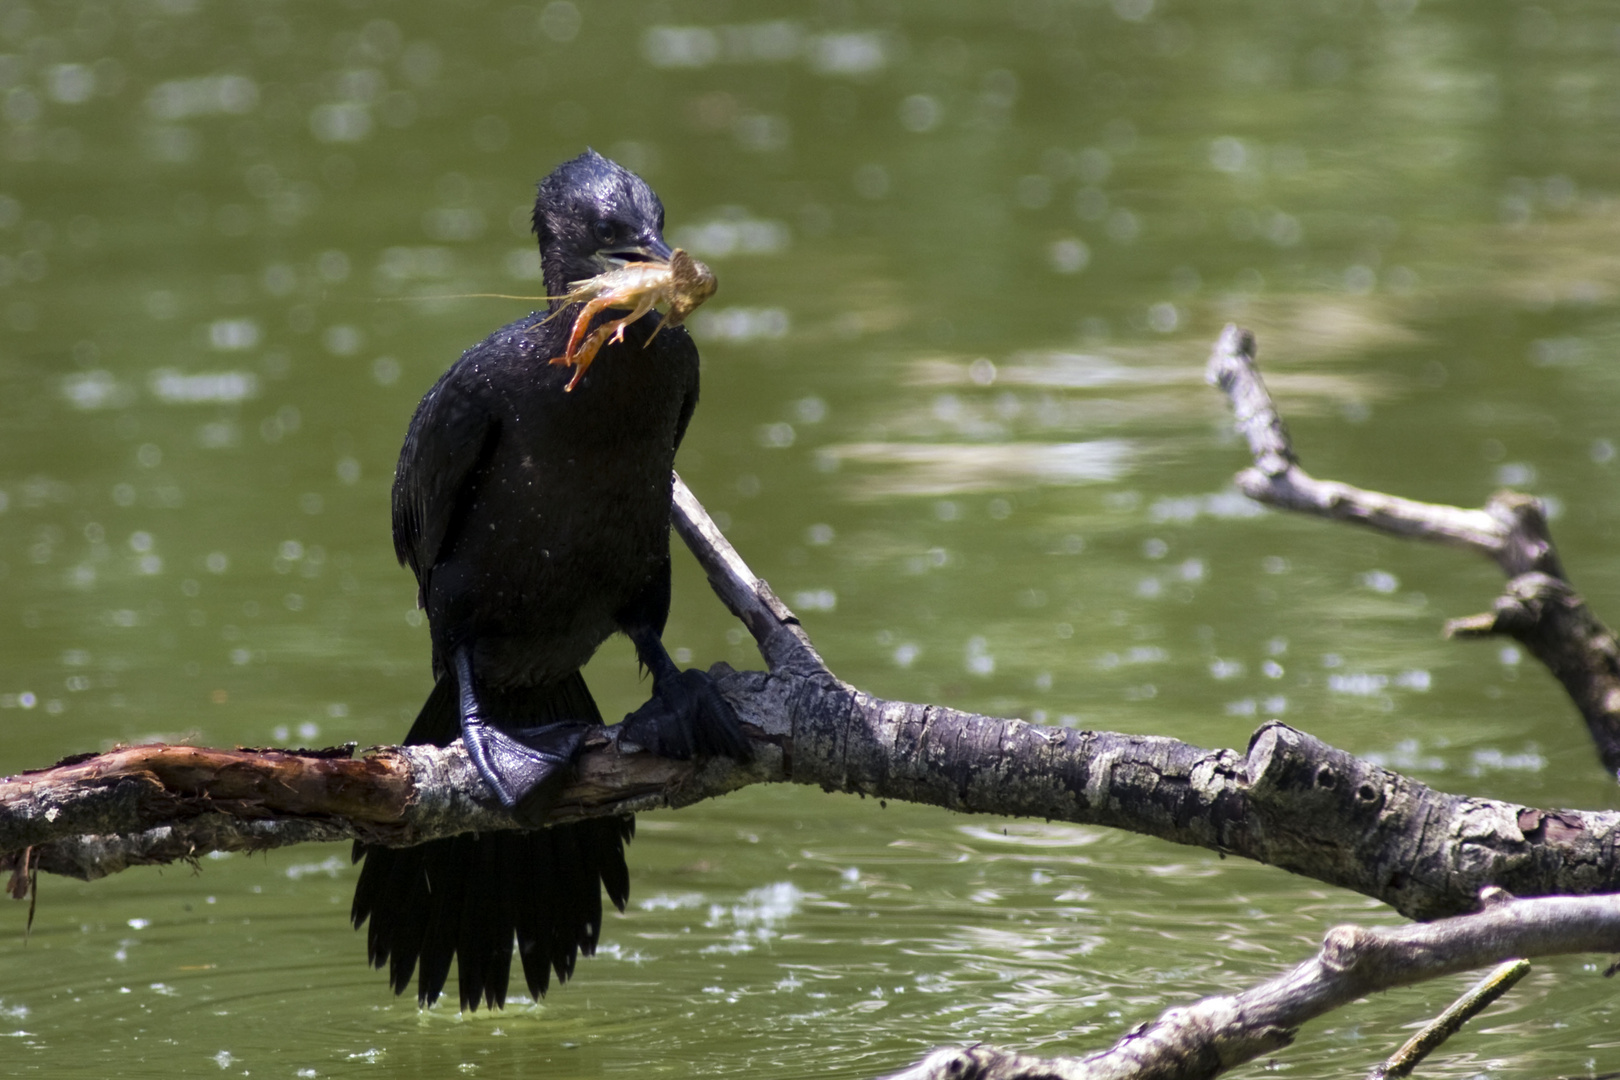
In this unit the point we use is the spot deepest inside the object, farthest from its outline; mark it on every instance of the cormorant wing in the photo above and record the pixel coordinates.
(451, 435)
(690, 399)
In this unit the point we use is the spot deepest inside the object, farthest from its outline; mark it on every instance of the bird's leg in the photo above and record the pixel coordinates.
(526, 767)
(686, 714)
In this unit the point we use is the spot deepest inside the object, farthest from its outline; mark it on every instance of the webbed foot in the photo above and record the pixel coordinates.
(526, 767)
(687, 716)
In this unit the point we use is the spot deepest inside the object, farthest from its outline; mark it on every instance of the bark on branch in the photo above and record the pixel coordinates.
(1540, 608)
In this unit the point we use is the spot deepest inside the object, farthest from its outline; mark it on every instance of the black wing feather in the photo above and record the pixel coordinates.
(451, 436)
(465, 897)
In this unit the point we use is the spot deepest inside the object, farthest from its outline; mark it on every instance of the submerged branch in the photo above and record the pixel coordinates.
(1215, 1034)
(1540, 608)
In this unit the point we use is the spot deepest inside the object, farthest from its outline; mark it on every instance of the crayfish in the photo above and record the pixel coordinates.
(682, 283)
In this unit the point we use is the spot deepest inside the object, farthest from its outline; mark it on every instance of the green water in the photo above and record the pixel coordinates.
(971, 261)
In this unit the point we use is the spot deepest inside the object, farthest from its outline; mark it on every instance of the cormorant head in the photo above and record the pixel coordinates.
(594, 215)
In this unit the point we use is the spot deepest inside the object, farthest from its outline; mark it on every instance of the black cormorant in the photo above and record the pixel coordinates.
(537, 524)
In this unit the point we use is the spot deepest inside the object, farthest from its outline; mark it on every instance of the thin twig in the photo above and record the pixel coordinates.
(1475, 1000)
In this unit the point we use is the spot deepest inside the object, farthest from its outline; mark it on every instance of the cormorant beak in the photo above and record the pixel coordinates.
(652, 249)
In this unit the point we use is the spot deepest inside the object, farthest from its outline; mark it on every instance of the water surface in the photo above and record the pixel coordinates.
(971, 262)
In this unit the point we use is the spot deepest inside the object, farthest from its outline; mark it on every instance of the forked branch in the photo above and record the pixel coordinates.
(1540, 608)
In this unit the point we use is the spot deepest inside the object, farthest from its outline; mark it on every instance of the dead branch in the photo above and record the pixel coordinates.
(95, 815)
(1210, 1036)
(1540, 608)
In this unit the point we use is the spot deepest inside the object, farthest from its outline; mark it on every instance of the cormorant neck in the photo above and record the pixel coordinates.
(554, 268)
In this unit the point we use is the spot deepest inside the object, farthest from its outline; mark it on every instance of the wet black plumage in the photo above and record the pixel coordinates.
(537, 524)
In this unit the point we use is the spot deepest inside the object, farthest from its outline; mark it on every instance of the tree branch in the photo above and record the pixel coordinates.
(1215, 1034)
(1540, 608)
(1289, 800)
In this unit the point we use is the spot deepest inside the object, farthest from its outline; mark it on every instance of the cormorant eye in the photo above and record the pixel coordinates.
(603, 231)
